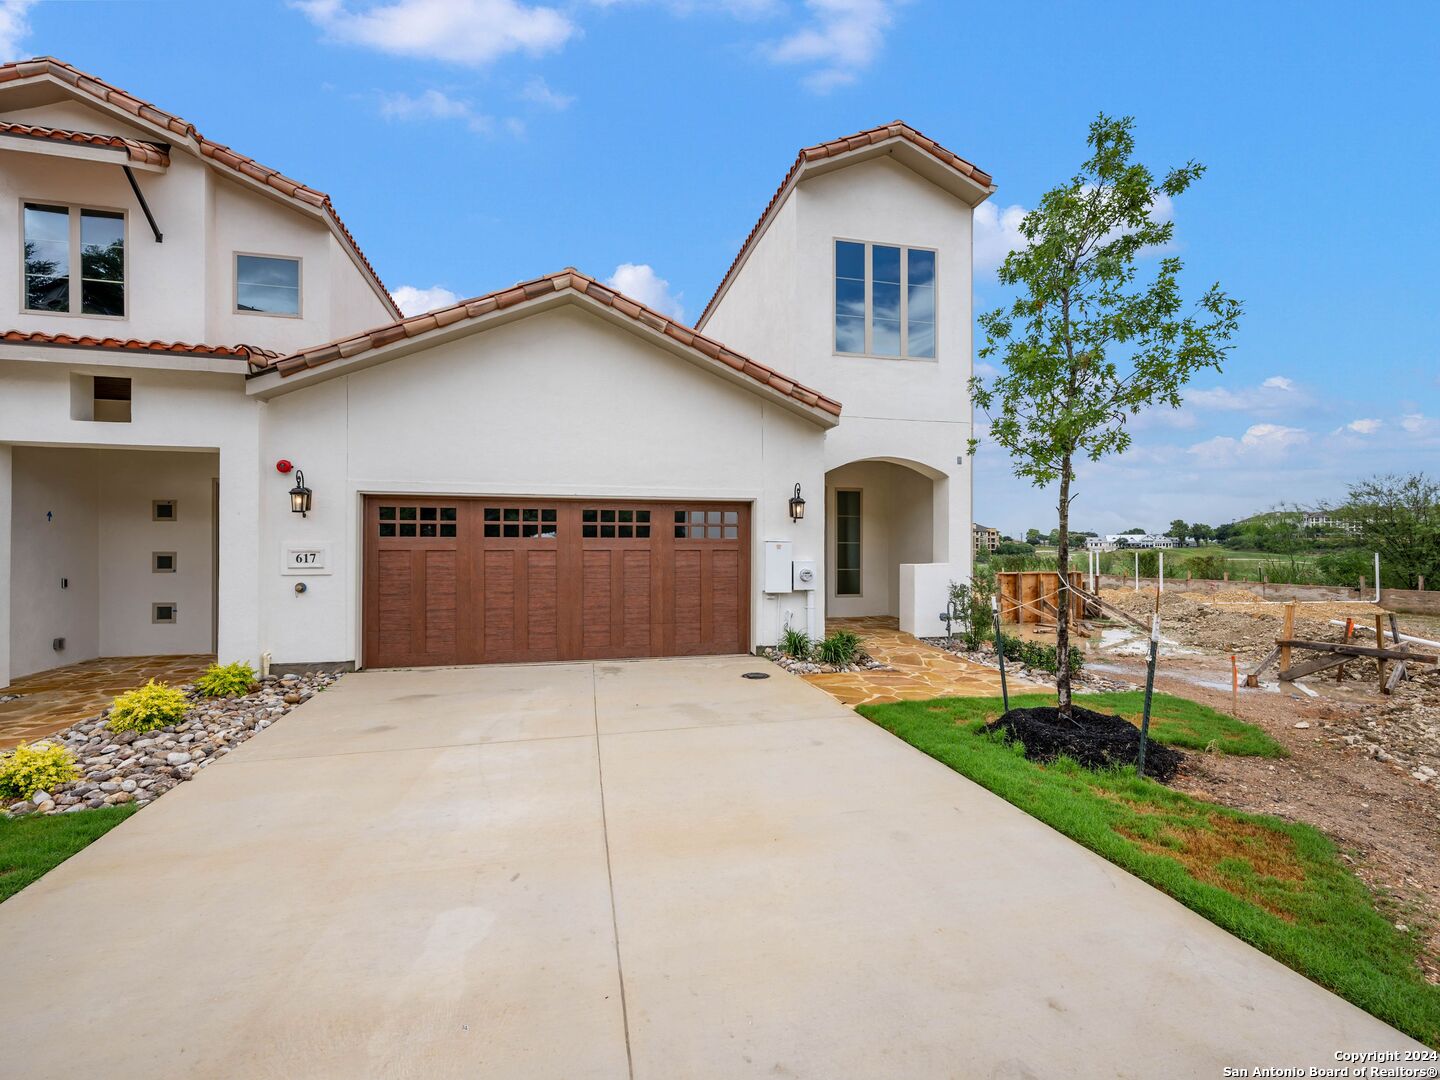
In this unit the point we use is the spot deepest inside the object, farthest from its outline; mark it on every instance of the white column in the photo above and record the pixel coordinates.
(238, 594)
(6, 492)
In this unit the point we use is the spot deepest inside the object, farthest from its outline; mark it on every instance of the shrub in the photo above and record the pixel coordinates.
(236, 678)
(154, 705)
(28, 769)
(795, 644)
(1210, 567)
(1038, 654)
(1009, 548)
(841, 647)
(972, 607)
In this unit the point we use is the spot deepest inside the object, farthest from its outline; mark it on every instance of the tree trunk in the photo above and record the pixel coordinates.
(1063, 605)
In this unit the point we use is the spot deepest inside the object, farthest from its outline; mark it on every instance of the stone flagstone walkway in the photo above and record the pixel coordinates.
(55, 699)
(918, 672)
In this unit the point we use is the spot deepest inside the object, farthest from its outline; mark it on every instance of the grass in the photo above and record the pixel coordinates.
(1174, 721)
(32, 846)
(1277, 885)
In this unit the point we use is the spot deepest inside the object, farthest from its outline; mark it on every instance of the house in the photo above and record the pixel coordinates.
(217, 432)
(986, 538)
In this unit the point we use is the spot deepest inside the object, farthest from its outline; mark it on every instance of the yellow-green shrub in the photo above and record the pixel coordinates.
(154, 705)
(219, 681)
(28, 769)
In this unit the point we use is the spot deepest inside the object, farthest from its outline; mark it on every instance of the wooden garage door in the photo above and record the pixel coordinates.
(472, 581)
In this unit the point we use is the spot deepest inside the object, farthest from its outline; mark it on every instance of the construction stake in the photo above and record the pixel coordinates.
(1149, 691)
(1000, 651)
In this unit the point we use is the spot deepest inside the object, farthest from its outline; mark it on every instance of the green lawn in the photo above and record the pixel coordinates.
(1282, 887)
(32, 846)
(1173, 721)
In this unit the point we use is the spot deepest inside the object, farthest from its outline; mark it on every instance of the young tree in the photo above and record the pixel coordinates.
(1086, 343)
(1398, 516)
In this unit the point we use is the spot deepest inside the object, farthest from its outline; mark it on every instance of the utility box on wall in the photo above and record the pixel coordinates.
(803, 576)
(779, 555)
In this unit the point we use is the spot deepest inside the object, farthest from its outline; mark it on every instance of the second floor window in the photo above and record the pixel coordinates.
(884, 300)
(267, 285)
(62, 239)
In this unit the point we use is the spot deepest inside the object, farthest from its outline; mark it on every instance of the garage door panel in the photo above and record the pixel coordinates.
(488, 580)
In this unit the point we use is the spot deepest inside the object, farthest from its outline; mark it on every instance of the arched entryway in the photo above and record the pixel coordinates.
(881, 514)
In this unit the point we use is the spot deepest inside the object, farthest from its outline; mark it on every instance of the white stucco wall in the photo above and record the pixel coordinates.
(84, 516)
(55, 533)
(183, 288)
(563, 404)
(192, 410)
(780, 309)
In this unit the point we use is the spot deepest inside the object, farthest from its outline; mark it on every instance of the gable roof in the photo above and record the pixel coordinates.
(704, 350)
(250, 353)
(136, 150)
(43, 67)
(897, 132)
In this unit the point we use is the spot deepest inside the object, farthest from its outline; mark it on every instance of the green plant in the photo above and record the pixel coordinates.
(218, 681)
(795, 644)
(154, 705)
(1210, 567)
(28, 769)
(1040, 655)
(33, 845)
(840, 647)
(972, 609)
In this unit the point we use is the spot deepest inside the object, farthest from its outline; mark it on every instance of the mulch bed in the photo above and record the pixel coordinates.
(1092, 739)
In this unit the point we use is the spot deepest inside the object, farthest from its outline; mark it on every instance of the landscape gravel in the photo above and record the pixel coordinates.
(120, 767)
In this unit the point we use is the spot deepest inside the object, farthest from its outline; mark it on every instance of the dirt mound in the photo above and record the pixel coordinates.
(1232, 622)
(1095, 740)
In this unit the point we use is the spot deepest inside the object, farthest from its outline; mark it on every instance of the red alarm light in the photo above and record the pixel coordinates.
(283, 465)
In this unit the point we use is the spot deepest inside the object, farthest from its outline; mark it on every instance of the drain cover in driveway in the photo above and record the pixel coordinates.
(755, 675)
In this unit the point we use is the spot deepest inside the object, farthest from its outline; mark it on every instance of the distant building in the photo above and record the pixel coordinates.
(986, 538)
(1100, 543)
(1323, 519)
(1134, 540)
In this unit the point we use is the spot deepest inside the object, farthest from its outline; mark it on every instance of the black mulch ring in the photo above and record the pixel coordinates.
(1095, 740)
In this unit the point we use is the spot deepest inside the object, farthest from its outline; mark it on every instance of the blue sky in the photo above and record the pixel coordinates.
(473, 143)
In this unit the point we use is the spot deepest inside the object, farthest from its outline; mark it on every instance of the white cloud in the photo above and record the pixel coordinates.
(437, 105)
(841, 40)
(640, 282)
(1364, 426)
(14, 26)
(1274, 394)
(538, 91)
(1259, 440)
(1415, 422)
(413, 301)
(471, 32)
(997, 233)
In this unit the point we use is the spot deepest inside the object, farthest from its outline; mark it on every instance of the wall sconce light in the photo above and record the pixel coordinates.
(300, 495)
(797, 505)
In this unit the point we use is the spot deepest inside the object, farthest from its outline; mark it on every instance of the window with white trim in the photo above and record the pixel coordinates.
(267, 285)
(884, 300)
(60, 239)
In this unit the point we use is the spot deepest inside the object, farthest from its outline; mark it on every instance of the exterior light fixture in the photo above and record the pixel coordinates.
(797, 505)
(300, 495)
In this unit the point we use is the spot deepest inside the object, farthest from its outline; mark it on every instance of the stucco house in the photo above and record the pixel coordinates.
(550, 471)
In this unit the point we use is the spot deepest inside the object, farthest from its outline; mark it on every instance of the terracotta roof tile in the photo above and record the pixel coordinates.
(833, 148)
(250, 353)
(568, 279)
(142, 153)
(217, 152)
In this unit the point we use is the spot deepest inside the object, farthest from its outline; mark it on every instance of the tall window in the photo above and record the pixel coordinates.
(884, 300)
(267, 285)
(847, 543)
(59, 238)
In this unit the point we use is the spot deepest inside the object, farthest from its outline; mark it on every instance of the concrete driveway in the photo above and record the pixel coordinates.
(654, 869)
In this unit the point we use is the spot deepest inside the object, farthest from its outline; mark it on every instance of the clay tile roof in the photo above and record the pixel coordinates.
(142, 153)
(567, 279)
(251, 354)
(223, 155)
(835, 147)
